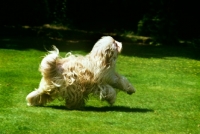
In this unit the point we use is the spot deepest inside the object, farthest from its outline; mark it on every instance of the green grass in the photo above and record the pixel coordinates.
(167, 100)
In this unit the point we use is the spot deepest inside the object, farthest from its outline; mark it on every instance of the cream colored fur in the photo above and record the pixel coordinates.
(73, 78)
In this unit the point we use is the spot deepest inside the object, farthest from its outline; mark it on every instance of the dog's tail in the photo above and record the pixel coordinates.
(49, 65)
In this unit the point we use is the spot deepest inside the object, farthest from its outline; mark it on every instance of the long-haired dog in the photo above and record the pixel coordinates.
(74, 77)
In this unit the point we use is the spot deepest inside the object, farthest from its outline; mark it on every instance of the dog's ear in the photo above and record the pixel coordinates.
(111, 52)
(108, 57)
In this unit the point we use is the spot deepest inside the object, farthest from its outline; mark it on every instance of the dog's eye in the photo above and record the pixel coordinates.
(115, 44)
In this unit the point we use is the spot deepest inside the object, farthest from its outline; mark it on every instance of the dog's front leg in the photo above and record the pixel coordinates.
(121, 82)
(107, 93)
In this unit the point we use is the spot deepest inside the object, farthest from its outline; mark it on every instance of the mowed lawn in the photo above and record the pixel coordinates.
(167, 100)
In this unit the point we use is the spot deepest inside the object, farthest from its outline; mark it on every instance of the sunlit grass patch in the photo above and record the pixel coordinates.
(166, 101)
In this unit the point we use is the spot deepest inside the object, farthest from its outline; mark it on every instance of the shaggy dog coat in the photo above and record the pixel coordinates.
(73, 78)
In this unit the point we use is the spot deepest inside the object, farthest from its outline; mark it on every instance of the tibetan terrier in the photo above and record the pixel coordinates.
(74, 77)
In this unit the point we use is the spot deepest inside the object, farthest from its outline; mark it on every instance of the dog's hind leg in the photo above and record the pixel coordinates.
(75, 99)
(35, 98)
(42, 95)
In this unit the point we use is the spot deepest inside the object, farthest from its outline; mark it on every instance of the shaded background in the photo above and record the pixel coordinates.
(166, 21)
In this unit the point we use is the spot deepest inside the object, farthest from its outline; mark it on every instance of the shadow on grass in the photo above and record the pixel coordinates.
(107, 108)
(148, 51)
(71, 40)
(129, 48)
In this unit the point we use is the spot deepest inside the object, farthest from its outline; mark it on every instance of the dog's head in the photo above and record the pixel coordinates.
(107, 49)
